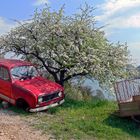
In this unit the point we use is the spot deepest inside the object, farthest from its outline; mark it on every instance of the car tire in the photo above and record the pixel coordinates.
(22, 104)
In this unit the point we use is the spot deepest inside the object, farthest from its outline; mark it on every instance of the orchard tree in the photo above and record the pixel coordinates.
(67, 46)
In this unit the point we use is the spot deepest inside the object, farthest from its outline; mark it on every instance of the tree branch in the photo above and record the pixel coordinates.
(74, 75)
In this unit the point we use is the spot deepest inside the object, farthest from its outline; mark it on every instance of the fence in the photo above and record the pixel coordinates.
(126, 89)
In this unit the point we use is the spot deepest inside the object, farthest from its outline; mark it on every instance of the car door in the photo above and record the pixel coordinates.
(5, 84)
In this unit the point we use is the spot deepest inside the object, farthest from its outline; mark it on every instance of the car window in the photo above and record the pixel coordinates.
(4, 74)
(24, 72)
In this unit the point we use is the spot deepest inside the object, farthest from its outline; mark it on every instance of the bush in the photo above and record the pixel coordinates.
(77, 92)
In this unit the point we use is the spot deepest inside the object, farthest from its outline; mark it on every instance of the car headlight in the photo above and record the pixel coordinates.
(60, 94)
(40, 99)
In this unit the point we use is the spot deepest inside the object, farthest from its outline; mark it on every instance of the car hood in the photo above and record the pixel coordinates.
(38, 85)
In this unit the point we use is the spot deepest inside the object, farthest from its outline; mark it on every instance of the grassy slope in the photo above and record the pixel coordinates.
(86, 120)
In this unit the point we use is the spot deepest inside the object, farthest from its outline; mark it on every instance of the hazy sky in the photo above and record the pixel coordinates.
(121, 17)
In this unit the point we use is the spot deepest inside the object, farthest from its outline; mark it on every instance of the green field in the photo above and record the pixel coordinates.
(87, 120)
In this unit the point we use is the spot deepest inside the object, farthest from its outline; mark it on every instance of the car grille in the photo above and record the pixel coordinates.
(50, 96)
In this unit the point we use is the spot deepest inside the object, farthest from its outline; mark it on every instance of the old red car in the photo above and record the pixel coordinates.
(21, 85)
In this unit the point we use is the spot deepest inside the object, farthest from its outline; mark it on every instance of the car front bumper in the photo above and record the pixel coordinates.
(46, 107)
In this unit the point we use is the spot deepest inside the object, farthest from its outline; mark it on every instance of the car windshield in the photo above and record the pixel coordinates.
(23, 72)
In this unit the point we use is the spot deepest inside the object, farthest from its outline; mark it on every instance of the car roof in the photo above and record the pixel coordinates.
(10, 63)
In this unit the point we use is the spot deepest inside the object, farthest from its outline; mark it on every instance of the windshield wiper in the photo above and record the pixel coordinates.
(26, 75)
(16, 75)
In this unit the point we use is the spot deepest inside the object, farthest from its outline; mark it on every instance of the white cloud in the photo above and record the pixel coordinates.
(40, 2)
(118, 14)
(132, 21)
(5, 26)
(111, 7)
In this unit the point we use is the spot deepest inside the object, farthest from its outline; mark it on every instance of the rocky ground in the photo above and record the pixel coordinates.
(13, 127)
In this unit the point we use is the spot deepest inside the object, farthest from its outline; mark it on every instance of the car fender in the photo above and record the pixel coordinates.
(19, 92)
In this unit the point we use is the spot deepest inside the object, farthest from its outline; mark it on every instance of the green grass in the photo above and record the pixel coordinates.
(86, 120)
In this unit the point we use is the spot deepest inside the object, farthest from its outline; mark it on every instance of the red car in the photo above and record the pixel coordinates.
(21, 85)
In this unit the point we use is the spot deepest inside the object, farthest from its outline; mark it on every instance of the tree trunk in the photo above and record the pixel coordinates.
(59, 78)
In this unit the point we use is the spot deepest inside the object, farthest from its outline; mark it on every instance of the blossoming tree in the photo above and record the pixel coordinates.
(67, 46)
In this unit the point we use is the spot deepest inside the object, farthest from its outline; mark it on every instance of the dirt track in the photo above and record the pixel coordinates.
(13, 127)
